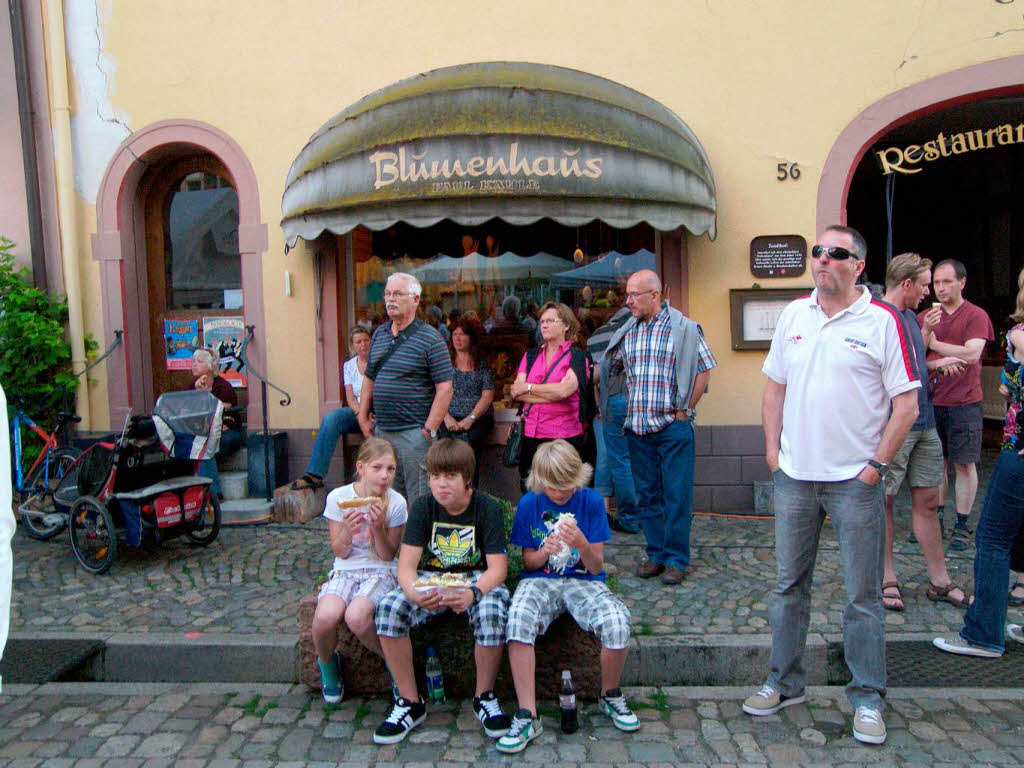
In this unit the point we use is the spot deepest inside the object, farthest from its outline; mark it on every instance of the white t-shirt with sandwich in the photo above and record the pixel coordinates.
(362, 555)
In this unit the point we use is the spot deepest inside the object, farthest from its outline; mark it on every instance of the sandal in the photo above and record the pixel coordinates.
(307, 482)
(959, 539)
(1012, 599)
(899, 607)
(941, 595)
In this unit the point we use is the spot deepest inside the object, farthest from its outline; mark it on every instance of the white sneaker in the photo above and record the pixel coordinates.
(1015, 632)
(868, 726)
(768, 701)
(956, 644)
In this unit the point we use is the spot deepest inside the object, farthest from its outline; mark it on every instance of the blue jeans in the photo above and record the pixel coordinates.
(662, 465)
(858, 513)
(611, 441)
(335, 424)
(1001, 519)
(230, 441)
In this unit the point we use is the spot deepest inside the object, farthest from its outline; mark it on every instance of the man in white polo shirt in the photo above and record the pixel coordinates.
(838, 403)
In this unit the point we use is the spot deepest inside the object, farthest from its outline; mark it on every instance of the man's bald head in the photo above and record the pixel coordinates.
(643, 294)
(647, 279)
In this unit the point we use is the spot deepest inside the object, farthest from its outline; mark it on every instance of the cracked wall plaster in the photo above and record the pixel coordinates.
(97, 128)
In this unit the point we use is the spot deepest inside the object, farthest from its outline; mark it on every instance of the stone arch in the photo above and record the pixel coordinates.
(119, 247)
(987, 80)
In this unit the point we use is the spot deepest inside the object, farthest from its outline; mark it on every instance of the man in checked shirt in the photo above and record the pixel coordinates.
(667, 364)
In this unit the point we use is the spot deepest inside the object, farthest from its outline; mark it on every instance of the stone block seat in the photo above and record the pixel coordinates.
(563, 646)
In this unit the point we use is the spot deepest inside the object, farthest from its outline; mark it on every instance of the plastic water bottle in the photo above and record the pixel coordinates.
(567, 704)
(435, 678)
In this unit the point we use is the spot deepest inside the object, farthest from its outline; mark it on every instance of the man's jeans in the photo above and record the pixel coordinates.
(614, 476)
(411, 448)
(335, 424)
(857, 511)
(1001, 519)
(230, 441)
(662, 465)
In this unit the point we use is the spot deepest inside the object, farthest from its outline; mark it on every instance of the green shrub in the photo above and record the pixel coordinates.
(35, 358)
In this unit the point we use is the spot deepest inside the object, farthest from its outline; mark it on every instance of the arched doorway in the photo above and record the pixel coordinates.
(936, 168)
(132, 239)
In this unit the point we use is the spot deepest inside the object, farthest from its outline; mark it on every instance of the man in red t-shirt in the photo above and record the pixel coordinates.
(957, 329)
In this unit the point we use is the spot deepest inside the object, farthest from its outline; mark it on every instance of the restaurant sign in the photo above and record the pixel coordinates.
(902, 159)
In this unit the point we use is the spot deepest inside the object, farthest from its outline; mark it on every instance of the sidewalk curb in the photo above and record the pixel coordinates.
(691, 660)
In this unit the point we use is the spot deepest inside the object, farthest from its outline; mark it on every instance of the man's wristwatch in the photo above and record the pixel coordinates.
(477, 594)
(881, 468)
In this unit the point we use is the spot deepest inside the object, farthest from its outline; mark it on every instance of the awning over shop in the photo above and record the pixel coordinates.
(512, 140)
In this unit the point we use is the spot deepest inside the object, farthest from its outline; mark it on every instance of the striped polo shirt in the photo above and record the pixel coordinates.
(404, 388)
(840, 373)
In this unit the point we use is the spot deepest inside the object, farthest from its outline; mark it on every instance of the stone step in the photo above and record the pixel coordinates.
(234, 485)
(247, 511)
(234, 462)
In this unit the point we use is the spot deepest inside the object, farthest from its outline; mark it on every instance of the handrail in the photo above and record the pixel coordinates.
(118, 334)
(249, 332)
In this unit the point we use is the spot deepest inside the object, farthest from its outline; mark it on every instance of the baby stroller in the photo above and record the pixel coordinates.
(144, 484)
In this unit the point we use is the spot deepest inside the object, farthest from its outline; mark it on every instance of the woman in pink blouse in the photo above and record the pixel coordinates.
(553, 407)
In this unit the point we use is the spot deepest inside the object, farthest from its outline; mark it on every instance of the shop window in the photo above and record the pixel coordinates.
(502, 274)
(202, 260)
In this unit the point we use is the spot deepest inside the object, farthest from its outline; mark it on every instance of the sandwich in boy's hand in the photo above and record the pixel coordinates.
(441, 581)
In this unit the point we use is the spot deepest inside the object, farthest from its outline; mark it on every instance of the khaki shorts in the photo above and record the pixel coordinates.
(919, 460)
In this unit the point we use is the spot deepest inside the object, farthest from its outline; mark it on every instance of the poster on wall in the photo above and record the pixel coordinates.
(181, 338)
(223, 336)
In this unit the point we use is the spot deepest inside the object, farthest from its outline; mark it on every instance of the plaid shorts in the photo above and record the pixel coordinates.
(371, 583)
(540, 601)
(396, 615)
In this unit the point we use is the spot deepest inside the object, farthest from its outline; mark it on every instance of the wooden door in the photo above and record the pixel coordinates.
(193, 267)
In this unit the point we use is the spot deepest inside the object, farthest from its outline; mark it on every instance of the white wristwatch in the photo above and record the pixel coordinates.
(529, 388)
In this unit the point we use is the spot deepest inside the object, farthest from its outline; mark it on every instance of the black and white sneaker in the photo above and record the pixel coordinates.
(488, 712)
(403, 717)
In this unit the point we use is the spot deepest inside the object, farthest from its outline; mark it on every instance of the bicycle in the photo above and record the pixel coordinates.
(35, 487)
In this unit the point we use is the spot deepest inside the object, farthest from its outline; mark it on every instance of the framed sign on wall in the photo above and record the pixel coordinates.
(754, 312)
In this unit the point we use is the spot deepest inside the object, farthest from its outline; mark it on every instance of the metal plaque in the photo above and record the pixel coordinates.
(778, 256)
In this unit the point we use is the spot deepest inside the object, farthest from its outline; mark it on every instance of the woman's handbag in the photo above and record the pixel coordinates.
(514, 444)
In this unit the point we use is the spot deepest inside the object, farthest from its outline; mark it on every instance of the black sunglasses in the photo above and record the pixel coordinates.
(832, 251)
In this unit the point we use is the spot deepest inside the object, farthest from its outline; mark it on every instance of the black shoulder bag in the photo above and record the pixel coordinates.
(514, 444)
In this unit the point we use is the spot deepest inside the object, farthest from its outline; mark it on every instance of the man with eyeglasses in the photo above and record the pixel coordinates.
(667, 364)
(838, 403)
(407, 384)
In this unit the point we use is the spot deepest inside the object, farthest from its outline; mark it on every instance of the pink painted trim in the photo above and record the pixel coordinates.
(990, 79)
(330, 353)
(115, 245)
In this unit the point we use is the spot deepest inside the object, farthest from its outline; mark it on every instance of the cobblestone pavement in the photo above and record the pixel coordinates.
(223, 726)
(251, 579)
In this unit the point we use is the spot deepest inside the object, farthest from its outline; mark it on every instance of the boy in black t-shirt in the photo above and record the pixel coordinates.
(453, 530)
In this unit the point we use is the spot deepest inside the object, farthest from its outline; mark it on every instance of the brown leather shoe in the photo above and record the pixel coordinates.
(647, 569)
(672, 575)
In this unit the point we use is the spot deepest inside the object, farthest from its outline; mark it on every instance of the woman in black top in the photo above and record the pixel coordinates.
(470, 414)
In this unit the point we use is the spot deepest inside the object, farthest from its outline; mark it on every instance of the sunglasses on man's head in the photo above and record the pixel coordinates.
(832, 251)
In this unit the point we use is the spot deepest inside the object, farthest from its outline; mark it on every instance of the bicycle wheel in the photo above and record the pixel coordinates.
(38, 513)
(211, 518)
(93, 536)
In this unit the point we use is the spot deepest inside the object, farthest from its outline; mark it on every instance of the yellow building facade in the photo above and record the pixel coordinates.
(789, 102)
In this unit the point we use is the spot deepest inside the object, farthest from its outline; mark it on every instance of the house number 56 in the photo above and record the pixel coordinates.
(787, 171)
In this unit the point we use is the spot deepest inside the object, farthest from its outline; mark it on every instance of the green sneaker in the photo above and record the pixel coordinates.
(330, 679)
(524, 729)
(613, 704)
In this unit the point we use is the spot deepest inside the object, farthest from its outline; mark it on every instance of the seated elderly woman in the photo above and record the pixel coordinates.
(232, 436)
(343, 420)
